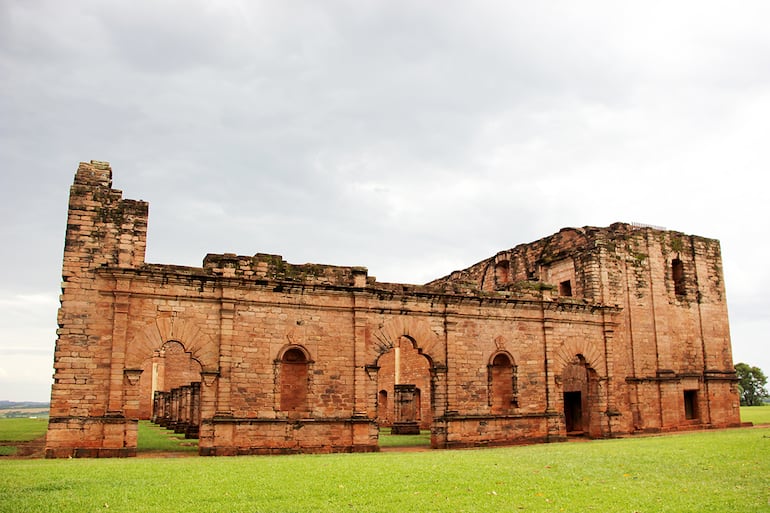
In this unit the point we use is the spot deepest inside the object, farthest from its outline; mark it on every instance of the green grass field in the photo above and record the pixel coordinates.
(15, 430)
(154, 438)
(388, 440)
(22, 429)
(756, 414)
(709, 471)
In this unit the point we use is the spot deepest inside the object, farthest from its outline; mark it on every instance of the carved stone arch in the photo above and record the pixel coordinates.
(159, 331)
(497, 353)
(425, 340)
(503, 346)
(293, 346)
(569, 350)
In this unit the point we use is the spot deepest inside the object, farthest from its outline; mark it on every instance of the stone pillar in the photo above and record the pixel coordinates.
(194, 422)
(208, 403)
(439, 431)
(226, 317)
(131, 392)
(365, 430)
(405, 422)
(118, 354)
(555, 419)
(184, 410)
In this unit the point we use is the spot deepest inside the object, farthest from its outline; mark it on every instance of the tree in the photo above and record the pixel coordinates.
(752, 384)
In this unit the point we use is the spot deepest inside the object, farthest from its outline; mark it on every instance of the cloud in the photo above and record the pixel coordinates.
(401, 136)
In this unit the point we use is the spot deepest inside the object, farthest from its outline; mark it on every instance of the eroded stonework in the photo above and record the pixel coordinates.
(591, 331)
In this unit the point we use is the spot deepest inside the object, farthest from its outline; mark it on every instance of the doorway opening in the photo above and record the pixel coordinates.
(573, 413)
(404, 414)
(170, 398)
(580, 387)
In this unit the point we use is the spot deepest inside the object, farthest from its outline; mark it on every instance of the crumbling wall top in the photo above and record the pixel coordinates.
(274, 267)
(95, 173)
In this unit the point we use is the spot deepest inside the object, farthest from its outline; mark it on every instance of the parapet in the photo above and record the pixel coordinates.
(274, 267)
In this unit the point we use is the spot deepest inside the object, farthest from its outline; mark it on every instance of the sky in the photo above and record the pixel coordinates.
(411, 137)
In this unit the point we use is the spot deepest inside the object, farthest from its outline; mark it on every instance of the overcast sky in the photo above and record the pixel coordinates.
(413, 138)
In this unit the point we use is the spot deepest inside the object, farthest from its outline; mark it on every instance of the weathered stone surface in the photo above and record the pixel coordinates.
(592, 331)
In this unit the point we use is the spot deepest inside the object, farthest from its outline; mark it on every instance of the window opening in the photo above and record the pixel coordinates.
(677, 274)
(690, 404)
(565, 288)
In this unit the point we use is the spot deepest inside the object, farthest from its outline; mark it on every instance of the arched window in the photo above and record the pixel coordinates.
(502, 384)
(294, 381)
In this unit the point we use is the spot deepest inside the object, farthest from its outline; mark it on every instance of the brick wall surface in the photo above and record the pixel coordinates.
(305, 358)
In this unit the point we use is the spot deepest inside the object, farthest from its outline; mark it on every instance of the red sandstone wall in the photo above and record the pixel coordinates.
(230, 323)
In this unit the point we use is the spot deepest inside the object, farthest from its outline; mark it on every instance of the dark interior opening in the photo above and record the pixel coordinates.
(573, 412)
(691, 404)
(677, 274)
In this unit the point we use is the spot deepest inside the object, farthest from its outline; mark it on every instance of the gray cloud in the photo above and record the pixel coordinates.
(412, 138)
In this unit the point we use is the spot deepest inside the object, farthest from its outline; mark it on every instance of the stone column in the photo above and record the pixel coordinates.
(227, 316)
(405, 422)
(118, 354)
(439, 431)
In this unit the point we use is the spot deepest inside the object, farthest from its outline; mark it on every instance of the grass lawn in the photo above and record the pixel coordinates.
(388, 440)
(710, 471)
(756, 414)
(15, 430)
(153, 438)
(22, 429)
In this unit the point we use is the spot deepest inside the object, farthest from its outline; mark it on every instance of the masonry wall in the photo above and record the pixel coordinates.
(671, 338)
(292, 358)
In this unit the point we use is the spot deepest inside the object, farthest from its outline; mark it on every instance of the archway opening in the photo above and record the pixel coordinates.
(169, 397)
(580, 399)
(404, 413)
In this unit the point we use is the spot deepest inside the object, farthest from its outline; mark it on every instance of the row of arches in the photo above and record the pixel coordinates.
(405, 387)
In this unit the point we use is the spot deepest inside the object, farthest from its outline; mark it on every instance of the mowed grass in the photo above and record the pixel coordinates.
(709, 471)
(22, 429)
(389, 440)
(153, 438)
(756, 414)
(18, 430)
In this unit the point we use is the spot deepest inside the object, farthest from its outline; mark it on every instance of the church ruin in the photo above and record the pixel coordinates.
(595, 332)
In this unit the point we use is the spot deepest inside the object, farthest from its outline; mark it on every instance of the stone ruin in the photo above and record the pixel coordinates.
(595, 332)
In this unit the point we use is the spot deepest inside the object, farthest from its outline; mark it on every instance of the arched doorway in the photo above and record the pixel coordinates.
(170, 389)
(170, 367)
(404, 389)
(580, 398)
